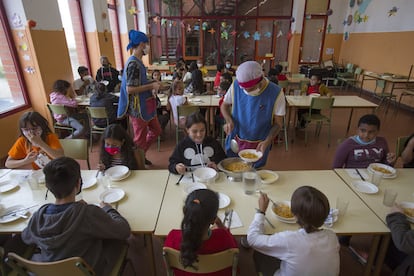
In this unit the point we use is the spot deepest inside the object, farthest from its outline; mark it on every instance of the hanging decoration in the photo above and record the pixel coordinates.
(289, 35)
(224, 35)
(242, 23)
(132, 10)
(346, 36)
(267, 34)
(26, 57)
(365, 18)
(329, 28)
(31, 23)
(223, 24)
(17, 21)
(163, 22)
(279, 34)
(156, 19)
(204, 26)
(392, 11)
(329, 12)
(29, 70)
(246, 34)
(23, 46)
(233, 33)
(188, 28)
(196, 27)
(212, 31)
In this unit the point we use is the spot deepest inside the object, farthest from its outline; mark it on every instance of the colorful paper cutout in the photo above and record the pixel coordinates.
(246, 34)
(392, 11)
(267, 34)
(256, 35)
(212, 31)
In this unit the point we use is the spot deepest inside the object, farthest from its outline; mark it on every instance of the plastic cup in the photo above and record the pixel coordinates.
(376, 178)
(342, 206)
(389, 197)
(250, 182)
(33, 183)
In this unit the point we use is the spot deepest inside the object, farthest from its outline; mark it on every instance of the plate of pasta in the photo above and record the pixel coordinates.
(281, 209)
(387, 171)
(250, 155)
(408, 209)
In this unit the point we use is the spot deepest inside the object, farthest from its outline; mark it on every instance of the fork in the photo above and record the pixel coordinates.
(226, 216)
(271, 200)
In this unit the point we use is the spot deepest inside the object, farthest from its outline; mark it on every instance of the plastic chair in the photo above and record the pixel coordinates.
(59, 109)
(351, 80)
(409, 89)
(298, 76)
(322, 104)
(96, 113)
(349, 71)
(208, 263)
(184, 110)
(401, 141)
(74, 266)
(383, 95)
(76, 149)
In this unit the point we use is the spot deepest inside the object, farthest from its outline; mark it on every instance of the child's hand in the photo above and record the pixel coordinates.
(263, 202)
(156, 85)
(212, 165)
(218, 223)
(103, 204)
(31, 156)
(180, 168)
(101, 167)
(391, 158)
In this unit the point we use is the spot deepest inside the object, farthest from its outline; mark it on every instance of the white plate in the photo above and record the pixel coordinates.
(365, 187)
(258, 155)
(112, 195)
(267, 177)
(117, 172)
(195, 100)
(314, 95)
(204, 174)
(122, 178)
(8, 185)
(393, 173)
(407, 204)
(224, 200)
(88, 182)
(14, 216)
(283, 219)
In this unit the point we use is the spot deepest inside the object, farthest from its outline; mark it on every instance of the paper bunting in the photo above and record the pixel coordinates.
(29, 70)
(279, 34)
(163, 22)
(224, 35)
(24, 47)
(26, 57)
(365, 18)
(256, 36)
(196, 27)
(267, 34)
(329, 28)
(233, 33)
(132, 10)
(224, 24)
(393, 11)
(246, 34)
(204, 26)
(17, 21)
(212, 31)
(155, 19)
(20, 35)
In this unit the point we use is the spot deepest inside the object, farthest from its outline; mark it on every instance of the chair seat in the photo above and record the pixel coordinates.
(315, 117)
(96, 128)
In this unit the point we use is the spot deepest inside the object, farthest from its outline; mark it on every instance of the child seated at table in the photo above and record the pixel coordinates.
(196, 149)
(36, 145)
(101, 98)
(177, 99)
(69, 228)
(196, 236)
(62, 94)
(119, 149)
(316, 87)
(407, 154)
(196, 85)
(366, 147)
(307, 251)
(220, 71)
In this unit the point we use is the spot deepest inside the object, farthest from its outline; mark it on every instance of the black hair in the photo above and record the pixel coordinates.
(195, 118)
(310, 206)
(193, 66)
(62, 175)
(200, 210)
(100, 90)
(117, 132)
(61, 86)
(155, 71)
(370, 119)
(273, 72)
(227, 76)
(278, 69)
(225, 85)
(197, 81)
(318, 76)
(35, 119)
(220, 67)
(82, 69)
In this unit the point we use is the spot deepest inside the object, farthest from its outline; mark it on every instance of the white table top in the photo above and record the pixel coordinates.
(358, 219)
(386, 77)
(340, 101)
(403, 184)
(85, 101)
(144, 191)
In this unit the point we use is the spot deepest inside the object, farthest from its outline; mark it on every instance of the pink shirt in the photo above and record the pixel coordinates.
(58, 98)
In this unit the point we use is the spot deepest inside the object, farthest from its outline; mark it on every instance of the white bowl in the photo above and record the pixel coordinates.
(250, 155)
(387, 171)
(267, 177)
(190, 187)
(161, 95)
(117, 172)
(205, 174)
(404, 205)
(279, 216)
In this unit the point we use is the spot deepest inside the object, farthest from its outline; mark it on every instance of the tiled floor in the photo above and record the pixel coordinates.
(316, 155)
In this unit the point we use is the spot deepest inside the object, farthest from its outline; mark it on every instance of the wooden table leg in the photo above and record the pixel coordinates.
(151, 254)
(381, 254)
(372, 254)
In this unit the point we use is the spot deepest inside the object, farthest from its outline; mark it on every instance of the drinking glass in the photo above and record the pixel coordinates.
(250, 182)
(376, 178)
(389, 197)
(342, 206)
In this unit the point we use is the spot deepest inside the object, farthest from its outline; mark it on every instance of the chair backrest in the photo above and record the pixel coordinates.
(285, 65)
(410, 85)
(74, 266)
(97, 112)
(349, 68)
(206, 263)
(186, 109)
(298, 76)
(283, 84)
(401, 141)
(321, 103)
(380, 84)
(76, 149)
(328, 63)
(358, 72)
(58, 109)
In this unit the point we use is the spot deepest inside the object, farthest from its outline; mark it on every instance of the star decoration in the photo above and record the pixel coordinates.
(256, 36)
(225, 35)
(246, 34)
(155, 19)
(268, 34)
(279, 34)
(212, 31)
(233, 33)
(163, 21)
(393, 11)
(365, 18)
(196, 28)
(132, 10)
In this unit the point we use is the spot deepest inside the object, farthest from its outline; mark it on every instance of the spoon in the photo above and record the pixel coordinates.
(234, 146)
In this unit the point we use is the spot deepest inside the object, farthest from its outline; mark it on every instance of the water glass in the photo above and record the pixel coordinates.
(342, 206)
(376, 178)
(105, 181)
(250, 182)
(389, 197)
(33, 183)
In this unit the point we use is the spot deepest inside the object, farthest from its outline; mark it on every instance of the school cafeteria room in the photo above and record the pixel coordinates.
(358, 56)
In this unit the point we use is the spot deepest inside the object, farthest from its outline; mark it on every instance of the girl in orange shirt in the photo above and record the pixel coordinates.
(37, 144)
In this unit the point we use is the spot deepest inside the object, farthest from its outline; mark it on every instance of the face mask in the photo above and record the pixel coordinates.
(199, 65)
(119, 77)
(113, 150)
(228, 65)
(359, 141)
(146, 49)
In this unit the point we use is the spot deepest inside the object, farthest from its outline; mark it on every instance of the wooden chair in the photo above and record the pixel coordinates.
(206, 263)
(409, 89)
(401, 141)
(74, 266)
(382, 95)
(350, 80)
(184, 110)
(59, 109)
(76, 149)
(322, 104)
(96, 113)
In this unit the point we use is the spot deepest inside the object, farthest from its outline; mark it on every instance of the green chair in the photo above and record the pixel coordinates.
(206, 263)
(96, 113)
(284, 85)
(298, 76)
(59, 109)
(76, 149)
(382, 95)
(323, 104)
(352, 80)
(184, 110)
(349, 71)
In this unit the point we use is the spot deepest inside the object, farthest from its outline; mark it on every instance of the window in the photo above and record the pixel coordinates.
(13, 95)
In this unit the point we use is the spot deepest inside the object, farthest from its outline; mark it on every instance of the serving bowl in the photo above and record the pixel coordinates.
(234, 167)
(250, 155)
(205, 175)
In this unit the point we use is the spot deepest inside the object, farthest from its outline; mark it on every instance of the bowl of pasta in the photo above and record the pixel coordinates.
(234, 167)
(387, 171)
(250, 155)
(408, 209)
(282, 211)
